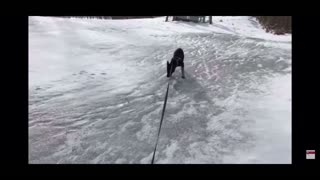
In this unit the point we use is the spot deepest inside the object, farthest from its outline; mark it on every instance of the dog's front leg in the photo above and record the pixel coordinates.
(182, 70)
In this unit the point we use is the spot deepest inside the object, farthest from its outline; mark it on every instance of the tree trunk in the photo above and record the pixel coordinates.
(167, 18)
(210, 19)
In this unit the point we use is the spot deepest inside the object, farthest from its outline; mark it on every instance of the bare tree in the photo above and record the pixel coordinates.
(275, 24)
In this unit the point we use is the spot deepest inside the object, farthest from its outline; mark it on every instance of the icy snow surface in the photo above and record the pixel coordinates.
(96, 90)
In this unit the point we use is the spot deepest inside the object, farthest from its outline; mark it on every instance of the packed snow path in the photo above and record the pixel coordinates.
(96, 91)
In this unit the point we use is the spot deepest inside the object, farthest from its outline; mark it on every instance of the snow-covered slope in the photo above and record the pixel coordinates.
(96, 90)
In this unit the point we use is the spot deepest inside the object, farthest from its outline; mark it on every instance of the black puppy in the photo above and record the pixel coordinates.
(177, 60)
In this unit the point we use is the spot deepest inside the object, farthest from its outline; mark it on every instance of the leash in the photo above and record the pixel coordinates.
(163, 110)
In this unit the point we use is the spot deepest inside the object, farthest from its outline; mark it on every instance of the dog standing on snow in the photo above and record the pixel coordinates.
(177, 60)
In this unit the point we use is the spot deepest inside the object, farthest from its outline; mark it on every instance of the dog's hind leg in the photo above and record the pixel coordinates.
(182, 71)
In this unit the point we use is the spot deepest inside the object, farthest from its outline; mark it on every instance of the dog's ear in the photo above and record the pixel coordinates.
(168, 65)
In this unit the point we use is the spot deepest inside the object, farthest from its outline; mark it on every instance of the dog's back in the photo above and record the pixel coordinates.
(177, 60)
(178, 54)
